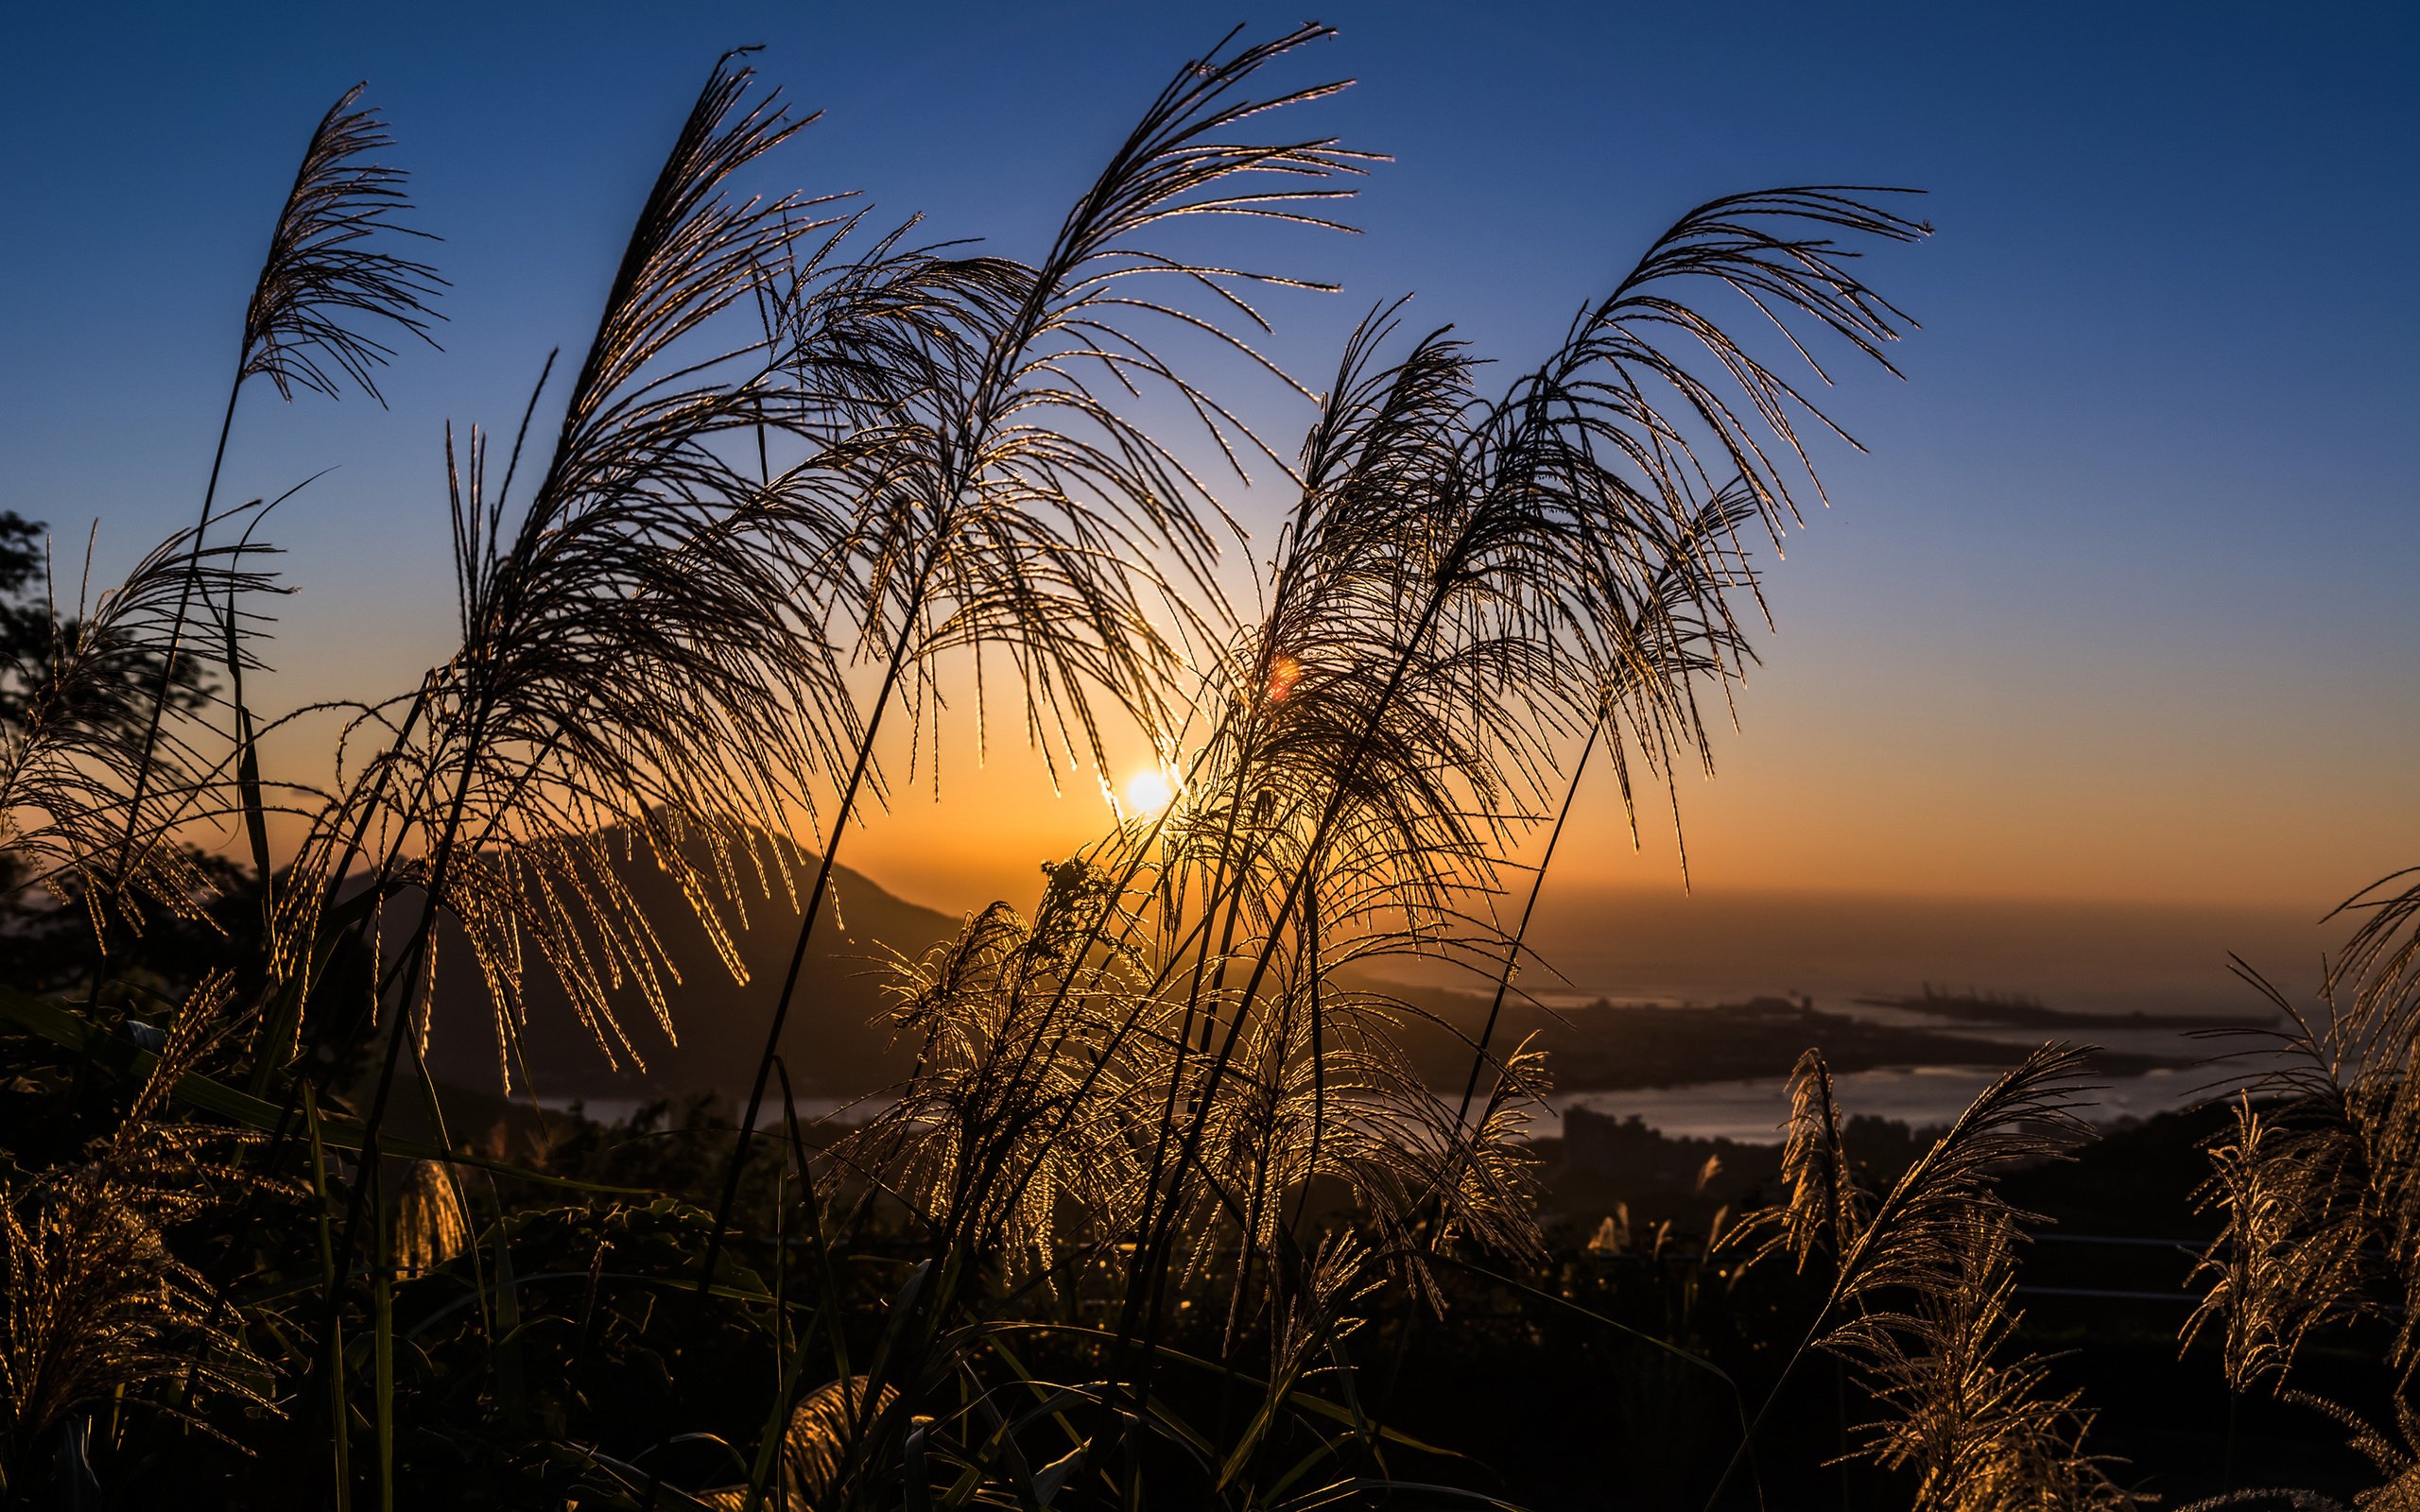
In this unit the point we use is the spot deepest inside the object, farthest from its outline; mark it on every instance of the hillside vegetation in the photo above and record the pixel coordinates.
(1164, 1208)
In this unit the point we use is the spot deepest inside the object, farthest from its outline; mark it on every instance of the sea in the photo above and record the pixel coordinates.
(1931, 1096)
(2213, 1066)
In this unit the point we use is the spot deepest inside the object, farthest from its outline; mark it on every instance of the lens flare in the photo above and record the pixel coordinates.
(1284, 672)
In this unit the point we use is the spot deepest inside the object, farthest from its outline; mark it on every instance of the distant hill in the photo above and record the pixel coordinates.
(833, 1044)
(837, 1046)
(1610, 1047)
(2020, 1011)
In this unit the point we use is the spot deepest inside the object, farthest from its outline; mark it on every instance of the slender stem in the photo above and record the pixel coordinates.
(383, 1342)
(407, 974)
(168, 665)
(1139, 1314)
(2226, 1457)
(1841, 1425)
(1116, 1041)
(1465, 1147)
(340, 1430)
(1748, 1437)
(1520, 934)
(798, 959)
(1844, 1277)
(1293, 896)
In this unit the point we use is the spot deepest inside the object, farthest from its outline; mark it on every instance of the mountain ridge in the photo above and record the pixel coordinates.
(833, 1044)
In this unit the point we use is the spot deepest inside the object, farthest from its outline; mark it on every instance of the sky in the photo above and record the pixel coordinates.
(2114, 608)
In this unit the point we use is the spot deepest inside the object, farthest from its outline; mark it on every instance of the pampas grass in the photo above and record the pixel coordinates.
(1164, 1157)
(100, 1306)
(2319, 1187)
(1919, 1292)
(2317, 1183)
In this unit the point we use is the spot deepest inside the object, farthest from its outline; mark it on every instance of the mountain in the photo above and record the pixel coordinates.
(1610, 1047)
(834, 1045)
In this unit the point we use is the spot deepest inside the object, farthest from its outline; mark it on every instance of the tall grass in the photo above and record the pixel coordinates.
(1165, 1155)
(1921, 1292)
(2317, 1187)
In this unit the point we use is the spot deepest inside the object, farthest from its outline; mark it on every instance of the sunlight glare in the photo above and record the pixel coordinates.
(1148, 792)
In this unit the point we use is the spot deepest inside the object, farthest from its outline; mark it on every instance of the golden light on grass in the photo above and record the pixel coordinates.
(645, 672)
(1284, 672)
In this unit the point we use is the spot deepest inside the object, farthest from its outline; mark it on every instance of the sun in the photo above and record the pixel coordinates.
(1148, 791)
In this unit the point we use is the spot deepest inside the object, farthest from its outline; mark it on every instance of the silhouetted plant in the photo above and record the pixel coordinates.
(100, 1306)
(1164, 1153)
(2317, 1183)
(1920, 1285)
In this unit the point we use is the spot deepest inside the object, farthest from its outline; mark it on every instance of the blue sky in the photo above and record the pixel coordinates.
(2118, 605)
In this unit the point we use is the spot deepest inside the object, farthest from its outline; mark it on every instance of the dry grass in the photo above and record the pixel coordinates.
(2318, 1183)
(100, 1308)
(1159, 1117)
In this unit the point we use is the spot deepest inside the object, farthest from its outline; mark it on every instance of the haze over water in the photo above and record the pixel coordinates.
(2116, 959)
(2083, 956)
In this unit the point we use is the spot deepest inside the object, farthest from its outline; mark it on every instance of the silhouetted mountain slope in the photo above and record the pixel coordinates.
(833, 1044)
(1606, 1046)
(837, 1045)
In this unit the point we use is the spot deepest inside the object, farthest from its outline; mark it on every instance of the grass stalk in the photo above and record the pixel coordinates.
(339, 1424)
